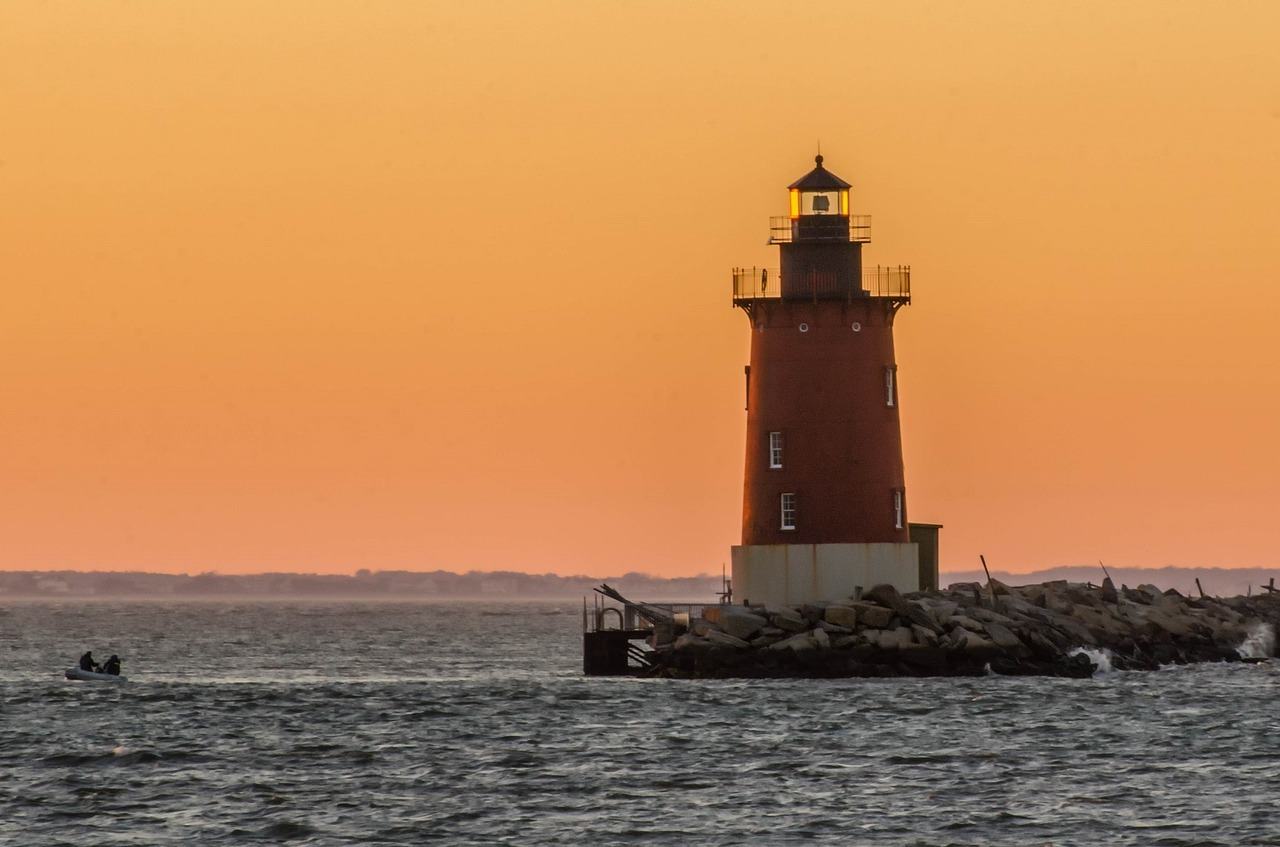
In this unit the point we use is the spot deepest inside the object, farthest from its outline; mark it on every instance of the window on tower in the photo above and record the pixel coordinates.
(891, 386)
(775, 449)
(897, 509)
(820, 203)
(788, 511)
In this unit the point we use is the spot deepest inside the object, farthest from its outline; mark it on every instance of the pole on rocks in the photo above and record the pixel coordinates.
(1105, 572)
(990, 588)
(1198, 588)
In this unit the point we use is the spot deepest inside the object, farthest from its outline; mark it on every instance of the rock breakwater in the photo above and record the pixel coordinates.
(968, 629)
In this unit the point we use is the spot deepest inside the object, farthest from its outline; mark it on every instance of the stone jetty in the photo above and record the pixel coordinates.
(968, 629)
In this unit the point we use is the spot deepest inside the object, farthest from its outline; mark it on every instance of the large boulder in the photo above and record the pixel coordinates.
(962, 639)
(1043, 646)
(716, 638)
(1177, 622)
(942, 610)
(871, 615)
(799, 643)
(1003, 636)
(821, 638)
(990, 615)
(966, 622)
(924, 636)
(1056, 599)
(909, 610)
(1033, 594)
(1102, 622)
(740, 623)
(1072, 631)
(919, 615)
(845, 616)
(1134, 595)
(786, 619)
(1076, 631)
(812, 612)
(884, 594)
(871, 636)
(689, 641)
(702, 626)
(1082, 594)
(895, 639)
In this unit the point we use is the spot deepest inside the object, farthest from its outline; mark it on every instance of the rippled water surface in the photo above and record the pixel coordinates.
(471, 724)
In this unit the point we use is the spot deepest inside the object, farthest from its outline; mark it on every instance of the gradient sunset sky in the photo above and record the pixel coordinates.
(323, 286)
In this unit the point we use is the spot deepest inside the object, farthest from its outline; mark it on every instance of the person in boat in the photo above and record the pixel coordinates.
(112, 666)
(88, 664)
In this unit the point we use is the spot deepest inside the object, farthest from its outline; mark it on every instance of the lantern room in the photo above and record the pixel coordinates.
(819, 192)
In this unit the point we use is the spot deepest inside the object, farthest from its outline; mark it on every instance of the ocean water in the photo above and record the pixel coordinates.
(390, 724)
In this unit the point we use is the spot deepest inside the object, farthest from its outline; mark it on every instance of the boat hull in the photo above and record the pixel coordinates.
(90, 676)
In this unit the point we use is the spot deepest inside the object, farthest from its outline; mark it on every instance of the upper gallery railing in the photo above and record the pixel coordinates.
(784, 230)
(892, 282)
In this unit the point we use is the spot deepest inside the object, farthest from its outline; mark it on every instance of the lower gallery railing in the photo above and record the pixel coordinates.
(766, 284)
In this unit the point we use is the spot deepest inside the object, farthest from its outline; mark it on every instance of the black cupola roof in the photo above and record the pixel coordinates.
(819, 179)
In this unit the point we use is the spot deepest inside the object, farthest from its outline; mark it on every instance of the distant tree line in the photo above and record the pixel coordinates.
(441, 584)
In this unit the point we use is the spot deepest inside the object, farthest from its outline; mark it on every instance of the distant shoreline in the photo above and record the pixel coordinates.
(481, 586)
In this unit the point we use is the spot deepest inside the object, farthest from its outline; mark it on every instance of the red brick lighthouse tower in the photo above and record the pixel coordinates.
(824, 506)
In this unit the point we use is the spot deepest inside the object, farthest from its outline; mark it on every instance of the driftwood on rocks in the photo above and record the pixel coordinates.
(968, 630)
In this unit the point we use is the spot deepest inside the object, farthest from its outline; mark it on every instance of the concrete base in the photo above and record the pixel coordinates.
(792, 574)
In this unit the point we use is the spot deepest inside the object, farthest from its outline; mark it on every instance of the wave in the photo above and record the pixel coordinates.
(1101, 659)
(1259, 643)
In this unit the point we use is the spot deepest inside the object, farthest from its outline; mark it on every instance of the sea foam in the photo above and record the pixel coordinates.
(1259, 643)
(1101, 659)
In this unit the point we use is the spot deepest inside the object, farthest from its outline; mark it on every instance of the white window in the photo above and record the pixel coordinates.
(775, 449)
(890, 386)
(788, 511)
(897, 509)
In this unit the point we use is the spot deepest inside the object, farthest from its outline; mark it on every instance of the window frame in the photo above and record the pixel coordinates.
(774, 447)
(899, 509)
(787, 509)
(891, 386)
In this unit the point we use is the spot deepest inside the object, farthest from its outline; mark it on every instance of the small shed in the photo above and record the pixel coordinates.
(925, 536)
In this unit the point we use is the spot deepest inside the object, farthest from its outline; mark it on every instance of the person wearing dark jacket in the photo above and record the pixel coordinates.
(112, 666)
(87, 663)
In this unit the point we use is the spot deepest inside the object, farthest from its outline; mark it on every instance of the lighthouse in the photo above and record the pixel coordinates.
(824, 509)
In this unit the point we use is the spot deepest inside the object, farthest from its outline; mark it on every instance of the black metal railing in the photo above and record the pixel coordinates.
(887, 281)
(606, 614)
(784, 230)
(756, 284)
(893, 282)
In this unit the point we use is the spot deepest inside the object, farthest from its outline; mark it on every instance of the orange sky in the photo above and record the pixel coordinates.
(323, 286)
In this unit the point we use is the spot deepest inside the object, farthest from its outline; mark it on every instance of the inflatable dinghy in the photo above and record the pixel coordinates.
(90, 676)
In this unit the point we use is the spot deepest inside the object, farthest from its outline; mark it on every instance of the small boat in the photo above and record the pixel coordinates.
(90, 676)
